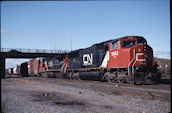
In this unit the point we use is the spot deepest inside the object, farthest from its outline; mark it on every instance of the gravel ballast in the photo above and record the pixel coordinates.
(32, 95)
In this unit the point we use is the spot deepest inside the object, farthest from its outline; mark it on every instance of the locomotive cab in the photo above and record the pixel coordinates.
(128, 51)
(133, 53)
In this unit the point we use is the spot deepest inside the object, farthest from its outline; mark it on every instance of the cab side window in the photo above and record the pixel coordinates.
(114, 45)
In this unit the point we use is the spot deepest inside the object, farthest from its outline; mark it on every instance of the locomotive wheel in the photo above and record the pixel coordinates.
(113, 80)
(108, 76)
(122, 81)
(139, 78)
(131, 82)
(45, 74)
(118, 81)
(58, 75)
(103, 78)
(109, 80)
(76, 76)
(70, 76)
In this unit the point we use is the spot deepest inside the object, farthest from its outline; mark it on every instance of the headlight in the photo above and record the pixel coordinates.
(142, 63)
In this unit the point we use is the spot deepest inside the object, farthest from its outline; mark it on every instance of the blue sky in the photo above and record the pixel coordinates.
(50, 24)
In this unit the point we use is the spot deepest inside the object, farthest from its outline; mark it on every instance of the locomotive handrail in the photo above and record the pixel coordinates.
(18, 50)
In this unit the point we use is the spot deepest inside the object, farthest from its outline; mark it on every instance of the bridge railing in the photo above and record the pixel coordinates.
(32, 50)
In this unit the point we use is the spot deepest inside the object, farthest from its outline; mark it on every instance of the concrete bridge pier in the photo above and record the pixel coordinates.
(2, 66)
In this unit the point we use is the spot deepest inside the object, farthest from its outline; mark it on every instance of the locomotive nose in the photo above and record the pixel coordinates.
(148, 55)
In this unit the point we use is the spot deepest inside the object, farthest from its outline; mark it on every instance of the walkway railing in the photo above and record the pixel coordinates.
(32, 50)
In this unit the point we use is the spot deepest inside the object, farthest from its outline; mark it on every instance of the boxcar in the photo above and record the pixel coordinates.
(33, 67)
(16, 70)
(24, 69)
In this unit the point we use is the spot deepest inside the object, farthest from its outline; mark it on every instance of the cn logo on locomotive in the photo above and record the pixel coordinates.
(87, 59)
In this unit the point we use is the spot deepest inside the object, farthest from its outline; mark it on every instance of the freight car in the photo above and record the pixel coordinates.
(16, 70)
(127, 59)
(9, 71)
(24, 69)
(33, 67)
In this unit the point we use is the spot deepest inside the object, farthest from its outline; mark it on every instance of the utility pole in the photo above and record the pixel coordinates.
(70, 39)
(71, 42)
(55, 45)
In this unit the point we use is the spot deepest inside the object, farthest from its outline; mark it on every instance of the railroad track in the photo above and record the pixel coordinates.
(156, 92)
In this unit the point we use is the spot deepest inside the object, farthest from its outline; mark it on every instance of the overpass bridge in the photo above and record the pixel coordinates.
(26, 53)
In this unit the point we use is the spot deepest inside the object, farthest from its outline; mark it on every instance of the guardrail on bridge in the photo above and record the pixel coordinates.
(32, 50)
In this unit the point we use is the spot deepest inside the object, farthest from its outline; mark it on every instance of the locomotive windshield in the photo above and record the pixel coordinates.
(128, 43)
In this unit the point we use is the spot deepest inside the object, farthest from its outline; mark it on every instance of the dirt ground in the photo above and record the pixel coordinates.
(51, 95)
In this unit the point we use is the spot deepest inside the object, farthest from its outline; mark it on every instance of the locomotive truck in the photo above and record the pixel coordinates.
(128, 59)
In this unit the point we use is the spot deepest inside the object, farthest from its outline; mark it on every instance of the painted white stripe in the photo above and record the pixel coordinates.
(133, 57)
(46, 65)
(105, 60)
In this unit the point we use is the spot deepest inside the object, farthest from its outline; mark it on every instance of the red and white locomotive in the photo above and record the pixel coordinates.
(127, 59)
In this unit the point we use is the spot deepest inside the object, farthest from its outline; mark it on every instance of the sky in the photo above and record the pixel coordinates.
(52, 24)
